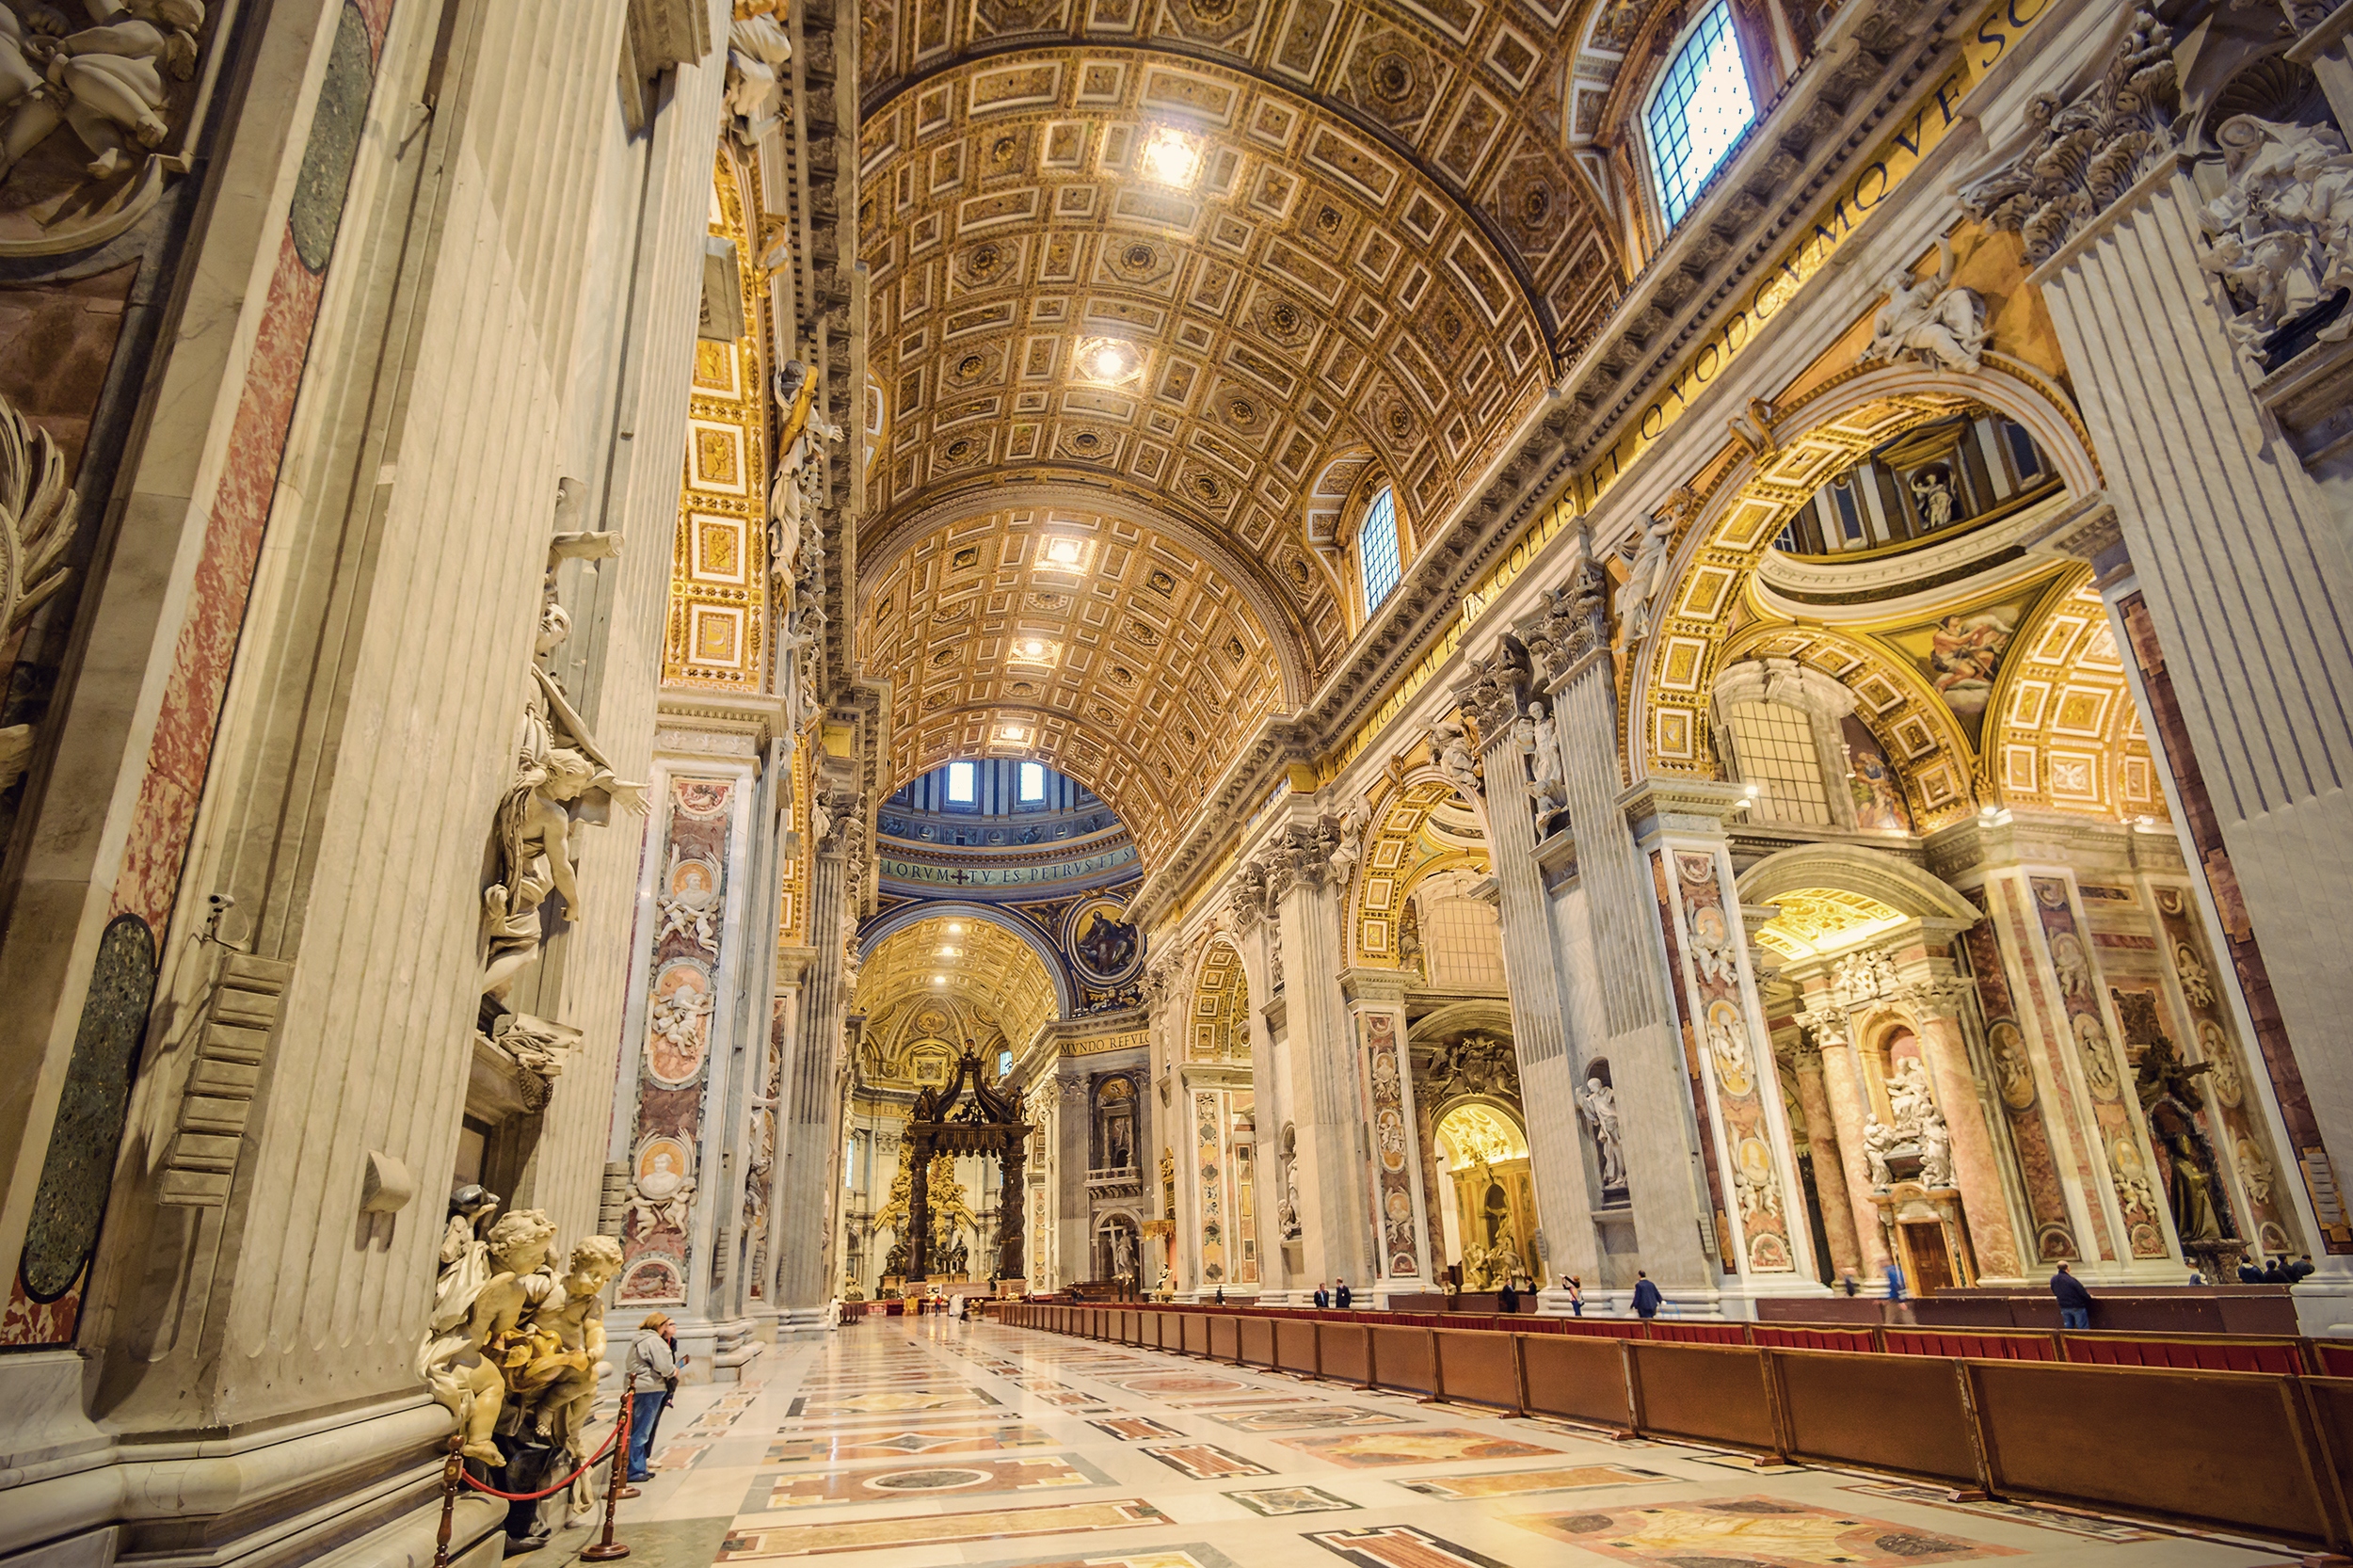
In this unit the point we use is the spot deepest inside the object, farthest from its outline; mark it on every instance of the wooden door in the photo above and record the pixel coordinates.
(1931, 1261)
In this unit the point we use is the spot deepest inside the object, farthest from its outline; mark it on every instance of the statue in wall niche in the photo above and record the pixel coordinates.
(105, 82)
(1928, 320)
(1123, 1252)
(1600, 1105)
(1936, 496)
(1287, 1208)
(2281, 232)
(796, 490)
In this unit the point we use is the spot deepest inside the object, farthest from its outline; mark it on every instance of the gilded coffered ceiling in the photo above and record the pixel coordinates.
(1109, 650)
(1187, 278)
(993, 977)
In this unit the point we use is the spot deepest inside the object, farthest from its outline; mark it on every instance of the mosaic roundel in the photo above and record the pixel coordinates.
(1104, 944)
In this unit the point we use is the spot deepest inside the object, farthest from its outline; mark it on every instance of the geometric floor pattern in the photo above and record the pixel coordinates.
(935, 1444)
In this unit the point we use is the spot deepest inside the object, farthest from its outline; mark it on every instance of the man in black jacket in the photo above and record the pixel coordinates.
(1342, 1296)
(1645, 1295)
(2074, 1302)
(1323, 1297)
(1507, 1299)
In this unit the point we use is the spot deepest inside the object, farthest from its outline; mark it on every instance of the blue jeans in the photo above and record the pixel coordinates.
(2074, 1316)
(643, 1411)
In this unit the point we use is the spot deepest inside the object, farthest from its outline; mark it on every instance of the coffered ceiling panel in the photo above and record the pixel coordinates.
(977, 966)
(1104, 647)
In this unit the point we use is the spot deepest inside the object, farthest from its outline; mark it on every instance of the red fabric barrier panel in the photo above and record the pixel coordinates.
(2225, 1355)
(1811, 1339)
(1983, 1347)
(1700, 1333)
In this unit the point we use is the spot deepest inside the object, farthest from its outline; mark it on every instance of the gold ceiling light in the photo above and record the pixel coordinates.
(1171, 157)
(1015, 732)
(1064, 552)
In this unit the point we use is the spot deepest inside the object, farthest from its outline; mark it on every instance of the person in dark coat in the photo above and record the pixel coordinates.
(1645, 1295)
(2074, 1302)
(2298, 1268)
(1342, 1296)
(1323, 1297)
(1507, 1299)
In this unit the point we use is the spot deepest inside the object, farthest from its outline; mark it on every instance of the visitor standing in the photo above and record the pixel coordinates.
(1507, 1299)
(1645, 1295)
(2074, 1302)
(1576, 1295)
(1323, 1297)
(1898, 1299)
(1341, 1295)
(651, 1371)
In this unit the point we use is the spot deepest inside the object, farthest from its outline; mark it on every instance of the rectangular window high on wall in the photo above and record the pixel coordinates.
(960, 784)
(1032, 782)
(1377, 555)
(1774, 746)
(1697, 111)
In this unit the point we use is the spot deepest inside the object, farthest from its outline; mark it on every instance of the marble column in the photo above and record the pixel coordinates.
(2246, 583)
(1074, 1213)
(1829, 1167)
(1848, 1103)
(1976, 1171)
(1324, 1106)
(1566, 1177)
(1399, 1205)
(810, 1130)
(1629, 987)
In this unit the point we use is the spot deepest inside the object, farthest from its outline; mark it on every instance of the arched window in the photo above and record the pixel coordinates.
(1774, 747)
(1378, 563)
(1697, 111)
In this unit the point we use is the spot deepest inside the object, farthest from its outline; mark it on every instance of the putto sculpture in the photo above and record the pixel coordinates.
(1928, 320)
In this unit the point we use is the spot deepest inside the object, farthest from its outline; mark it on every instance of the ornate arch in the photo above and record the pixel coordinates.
(1743, 511)
(1387, 872)
(1217, 1023)
(1007, 967)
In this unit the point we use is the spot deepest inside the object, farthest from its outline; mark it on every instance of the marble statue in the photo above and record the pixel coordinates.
(561, 782)
(105, 82)
(1935, 498)
(757, 51)
(1600, 1104)
(36, 510)
(1351, 847)
(552, 1366)
(2280, 235)
(1452, 749)
(464, 1368)
(465, 1255)
(1286, 1208)
(1928, 320)
(1878, 1140)
(1123, 1253)
(1646, 578)
(2161, 1074)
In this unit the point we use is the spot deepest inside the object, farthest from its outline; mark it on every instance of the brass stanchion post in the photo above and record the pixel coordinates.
(453, 1470)
(607, 1549)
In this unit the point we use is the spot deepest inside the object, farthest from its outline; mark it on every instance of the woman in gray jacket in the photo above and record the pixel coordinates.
(652, 1376)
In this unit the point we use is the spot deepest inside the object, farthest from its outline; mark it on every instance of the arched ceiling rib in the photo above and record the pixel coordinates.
(1132, 663)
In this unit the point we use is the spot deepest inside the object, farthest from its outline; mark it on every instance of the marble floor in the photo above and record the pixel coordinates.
(899, 1445)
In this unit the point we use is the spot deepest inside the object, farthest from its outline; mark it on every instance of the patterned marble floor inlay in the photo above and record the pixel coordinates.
(1278, 1502)
(930, 1480)
(1310, 1419)
(2019, 1513)
(931, 1443)
(940, 1530)
(1373, 1451)
(1510, 1483)
(1203, 1462)
(1763, 1532)
(907, 1444)
(1402, 1547)
(1134, 1429)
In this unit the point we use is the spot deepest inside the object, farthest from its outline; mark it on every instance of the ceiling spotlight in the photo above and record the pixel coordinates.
(1014, 732)
(1062, 552)
(954, 930)
(1109, 363)
(1034, 650)
(1172, 157)
(951, 953)
(940, 980)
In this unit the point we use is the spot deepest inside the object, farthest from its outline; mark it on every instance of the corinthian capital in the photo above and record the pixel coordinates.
(1937, 996)
(1827, 1026)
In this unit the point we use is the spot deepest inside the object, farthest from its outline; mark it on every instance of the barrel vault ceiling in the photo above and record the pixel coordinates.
(1179, 280)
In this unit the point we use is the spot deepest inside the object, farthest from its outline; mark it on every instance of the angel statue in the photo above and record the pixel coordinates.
(106, 82)
(561, 783)
(1930, 321)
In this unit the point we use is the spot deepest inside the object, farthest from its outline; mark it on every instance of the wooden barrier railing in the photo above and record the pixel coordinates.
(2126, 1423)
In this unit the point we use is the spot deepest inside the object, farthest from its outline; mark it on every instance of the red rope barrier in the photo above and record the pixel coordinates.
(534, 1497)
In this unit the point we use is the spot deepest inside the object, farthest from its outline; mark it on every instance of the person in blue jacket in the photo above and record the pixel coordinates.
(1645, 1295)
(2074, 1302)
(1323, 1297)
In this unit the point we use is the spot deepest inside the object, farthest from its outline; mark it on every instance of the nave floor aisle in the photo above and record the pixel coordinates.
(898, 1445)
